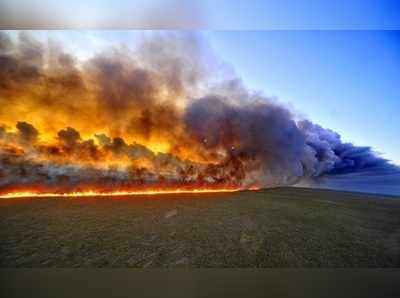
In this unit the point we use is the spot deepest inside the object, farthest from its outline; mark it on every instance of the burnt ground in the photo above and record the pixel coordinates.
(282, 227)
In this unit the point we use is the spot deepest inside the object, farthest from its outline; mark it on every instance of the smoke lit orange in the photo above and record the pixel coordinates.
(113, 122)
(150, 119)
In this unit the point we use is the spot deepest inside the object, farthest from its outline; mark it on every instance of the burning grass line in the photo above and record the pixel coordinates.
(116, 193)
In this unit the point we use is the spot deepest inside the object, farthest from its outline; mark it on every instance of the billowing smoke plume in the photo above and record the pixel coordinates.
(154, 117)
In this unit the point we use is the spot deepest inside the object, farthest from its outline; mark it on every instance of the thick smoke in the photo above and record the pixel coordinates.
(261, 132)
(156, 117)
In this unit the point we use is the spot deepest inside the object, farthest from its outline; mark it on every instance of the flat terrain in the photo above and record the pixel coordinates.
(282, 227)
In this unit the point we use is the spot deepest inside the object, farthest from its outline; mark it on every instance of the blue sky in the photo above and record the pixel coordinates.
(301, 14)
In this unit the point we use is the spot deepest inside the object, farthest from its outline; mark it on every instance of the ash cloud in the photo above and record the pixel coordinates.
(93, 124)
(69, 137)
(287, 151)
(27, 132)
(262, 131)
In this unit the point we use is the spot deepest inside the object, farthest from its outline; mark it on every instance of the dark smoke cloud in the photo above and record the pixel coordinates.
(339, 165)
(287, 151)
(27, 132)
(218, 132)
(260, 130)
(335, 157)
(69, 137)
(18, 65)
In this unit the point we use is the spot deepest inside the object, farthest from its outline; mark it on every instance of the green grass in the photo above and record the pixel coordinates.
(282, 227)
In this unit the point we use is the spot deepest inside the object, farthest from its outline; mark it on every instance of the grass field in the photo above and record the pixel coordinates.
(282, 227)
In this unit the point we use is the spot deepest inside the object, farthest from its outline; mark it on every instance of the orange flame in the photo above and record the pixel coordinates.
(93, 193)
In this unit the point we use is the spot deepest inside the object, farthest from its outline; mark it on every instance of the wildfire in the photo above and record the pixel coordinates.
(153, 119)
(94, 193)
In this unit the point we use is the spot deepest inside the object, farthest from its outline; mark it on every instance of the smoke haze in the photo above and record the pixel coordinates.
(159, 116)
